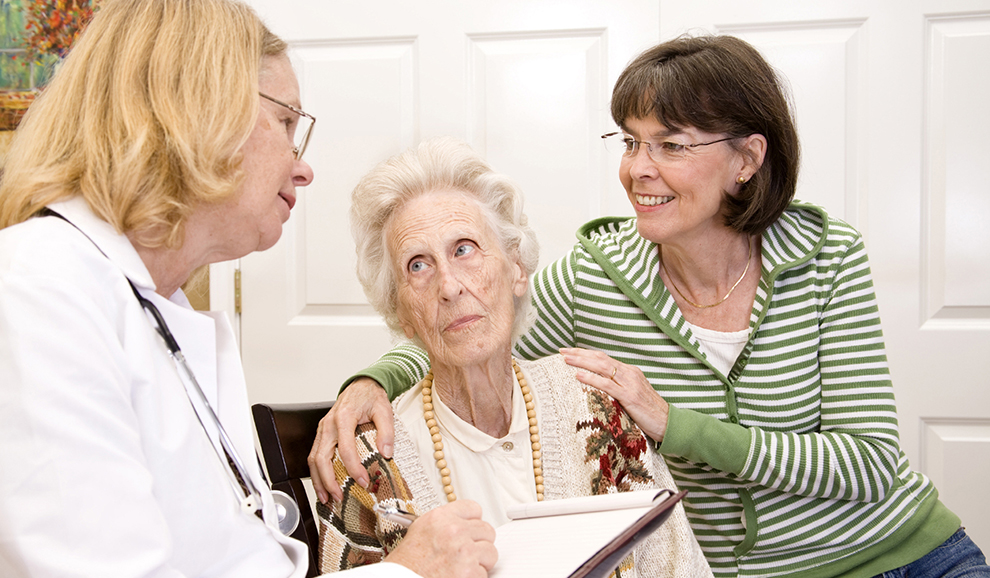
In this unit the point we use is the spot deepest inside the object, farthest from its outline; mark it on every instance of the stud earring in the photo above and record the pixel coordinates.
(741, 179)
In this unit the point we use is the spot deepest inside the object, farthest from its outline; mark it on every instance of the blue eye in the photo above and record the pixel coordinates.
(463, 249)
(416, 266)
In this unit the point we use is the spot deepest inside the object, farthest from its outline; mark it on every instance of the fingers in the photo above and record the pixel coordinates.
(321, 461)
(626, 384)
(449, 541)
(362, 401)
(466, 510)
(595, 362)
(347, 448)
(313, 461)
(385, 424)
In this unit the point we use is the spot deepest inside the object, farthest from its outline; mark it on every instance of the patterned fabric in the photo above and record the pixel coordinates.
(616, 443)
(590, 447)
(792, 460)
(368, 539)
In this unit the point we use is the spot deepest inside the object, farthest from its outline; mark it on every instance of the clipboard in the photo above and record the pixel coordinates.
(608, 558)
(584, 537)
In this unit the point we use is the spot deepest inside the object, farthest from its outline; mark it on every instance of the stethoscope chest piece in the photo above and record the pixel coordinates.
(287, 511)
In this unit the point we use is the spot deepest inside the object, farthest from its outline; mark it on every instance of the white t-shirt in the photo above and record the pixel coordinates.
(721, 347)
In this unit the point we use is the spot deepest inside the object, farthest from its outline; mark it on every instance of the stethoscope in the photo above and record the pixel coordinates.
(248, 494)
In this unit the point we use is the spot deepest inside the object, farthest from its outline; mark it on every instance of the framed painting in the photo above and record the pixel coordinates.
(20, 74)
(34, 35)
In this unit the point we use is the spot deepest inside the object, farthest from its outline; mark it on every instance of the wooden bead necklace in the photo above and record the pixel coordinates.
(444, 467)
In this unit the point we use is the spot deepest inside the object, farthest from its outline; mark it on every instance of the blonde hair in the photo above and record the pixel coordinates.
(438, 164)
(145, 118)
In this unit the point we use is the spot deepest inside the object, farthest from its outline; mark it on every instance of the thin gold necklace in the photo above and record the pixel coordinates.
(444, 467)
(733, 288)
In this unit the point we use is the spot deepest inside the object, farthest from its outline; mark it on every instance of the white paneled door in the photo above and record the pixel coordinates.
(524, 82)
(891, 107)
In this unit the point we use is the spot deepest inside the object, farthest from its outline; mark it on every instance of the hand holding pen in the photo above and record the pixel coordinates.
(451, 540)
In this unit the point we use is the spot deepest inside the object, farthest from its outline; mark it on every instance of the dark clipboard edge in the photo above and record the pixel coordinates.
(605, 560)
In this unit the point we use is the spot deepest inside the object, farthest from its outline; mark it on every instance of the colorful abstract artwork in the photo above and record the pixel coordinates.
(34, 35)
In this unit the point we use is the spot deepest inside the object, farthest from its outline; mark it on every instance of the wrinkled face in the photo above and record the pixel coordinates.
(456, 286)
(251, 220)
(678, 202)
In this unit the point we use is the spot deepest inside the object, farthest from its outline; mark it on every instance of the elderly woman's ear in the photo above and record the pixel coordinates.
(407, 327)
(520, 280)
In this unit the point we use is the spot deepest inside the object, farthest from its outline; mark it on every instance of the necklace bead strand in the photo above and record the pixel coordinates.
(438, 456)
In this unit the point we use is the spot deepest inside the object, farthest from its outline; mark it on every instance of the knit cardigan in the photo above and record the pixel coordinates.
(590, 446)
(792, 459)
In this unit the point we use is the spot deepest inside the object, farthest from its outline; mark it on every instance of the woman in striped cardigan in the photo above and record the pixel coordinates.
(754, 319)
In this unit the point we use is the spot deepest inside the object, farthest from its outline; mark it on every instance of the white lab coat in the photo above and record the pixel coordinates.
(105, 470)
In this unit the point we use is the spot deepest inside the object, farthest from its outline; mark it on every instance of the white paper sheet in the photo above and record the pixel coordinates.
(552, 543)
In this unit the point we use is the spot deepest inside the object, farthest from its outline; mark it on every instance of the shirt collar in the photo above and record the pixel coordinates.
(116, 246)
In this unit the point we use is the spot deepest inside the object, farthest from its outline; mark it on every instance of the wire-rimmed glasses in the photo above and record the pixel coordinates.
(303, 129)
(661, 152)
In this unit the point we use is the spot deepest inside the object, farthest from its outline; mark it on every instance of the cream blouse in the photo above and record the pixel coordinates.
(495, 472)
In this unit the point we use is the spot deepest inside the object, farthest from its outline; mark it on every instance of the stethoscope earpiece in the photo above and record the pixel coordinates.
(248, 504)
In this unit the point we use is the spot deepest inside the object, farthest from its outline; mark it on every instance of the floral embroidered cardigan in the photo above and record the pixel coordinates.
(590, 447)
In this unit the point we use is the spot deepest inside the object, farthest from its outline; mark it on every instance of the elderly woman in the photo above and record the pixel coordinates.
(170, 138)
(444, 255)
(753, 318)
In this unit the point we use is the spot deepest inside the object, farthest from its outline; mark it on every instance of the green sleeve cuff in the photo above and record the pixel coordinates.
(703, 439)
(398, 370)
(390, 376)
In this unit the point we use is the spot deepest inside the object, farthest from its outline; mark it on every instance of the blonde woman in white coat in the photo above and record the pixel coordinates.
(171, 138)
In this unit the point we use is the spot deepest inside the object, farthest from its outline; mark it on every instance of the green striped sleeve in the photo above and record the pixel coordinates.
(399, 369)
(552, 291)
(853, 454)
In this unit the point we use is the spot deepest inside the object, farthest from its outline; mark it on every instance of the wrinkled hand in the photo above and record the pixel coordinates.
(625, 383)
(451, 541)
(362, 401)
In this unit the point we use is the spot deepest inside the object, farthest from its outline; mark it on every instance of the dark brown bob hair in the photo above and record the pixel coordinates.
(719, 84)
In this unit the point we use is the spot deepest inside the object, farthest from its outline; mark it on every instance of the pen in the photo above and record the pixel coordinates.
(403, 519)
(396, 515)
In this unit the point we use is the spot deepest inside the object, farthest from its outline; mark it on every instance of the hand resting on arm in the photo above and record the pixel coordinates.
(362, 401)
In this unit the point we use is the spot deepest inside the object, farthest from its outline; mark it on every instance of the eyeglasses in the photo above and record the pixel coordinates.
(302, 129)
(660, 152)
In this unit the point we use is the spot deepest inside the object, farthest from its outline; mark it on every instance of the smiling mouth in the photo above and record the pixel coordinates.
(289, 200)
(652, 201)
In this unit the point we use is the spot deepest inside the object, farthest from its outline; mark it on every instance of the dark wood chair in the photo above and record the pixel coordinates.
(286, 433)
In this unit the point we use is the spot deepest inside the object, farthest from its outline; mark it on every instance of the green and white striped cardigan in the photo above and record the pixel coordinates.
(792, 459)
